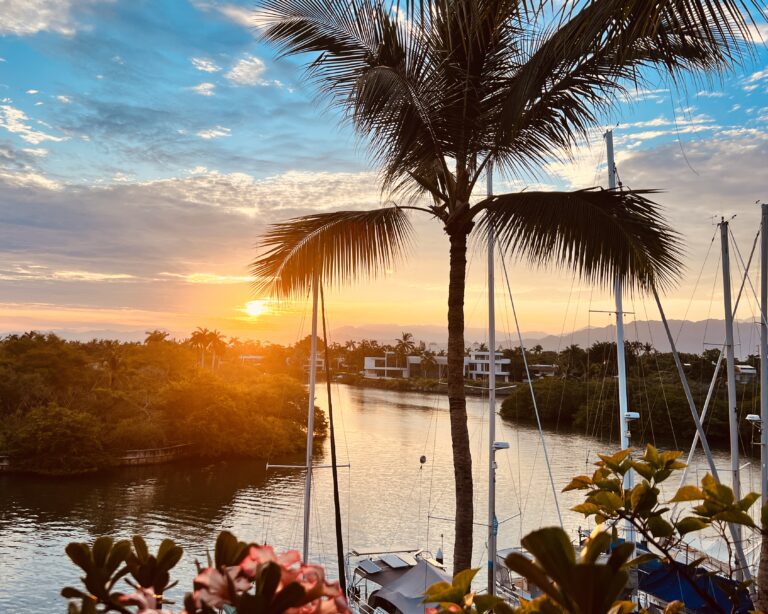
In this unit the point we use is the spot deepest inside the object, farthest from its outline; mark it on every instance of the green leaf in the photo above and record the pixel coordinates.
(81, 555)
(117, 555)
(690, 524)
(608, 501)
(484, 603)
(660, 527)
(639, 560)
(594, 547)
(169, 554)
(268, 580)
(553, 551)
(586, 508)
(644, 469)
(687, 493)
(517, 563)
(463, 579)
(291, 596)
(140, 547)
(226, 550)
(69, 592)
(736, 516)
(651, 455)
(747, 501)
(614, 461)
(101, 548)
(669, 457)
(643, 498)
(620, 555)
(580, 482)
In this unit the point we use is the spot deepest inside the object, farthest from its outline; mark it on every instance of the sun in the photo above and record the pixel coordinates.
(256, 308)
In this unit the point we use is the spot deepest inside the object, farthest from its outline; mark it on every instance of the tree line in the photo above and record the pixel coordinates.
(70, 406)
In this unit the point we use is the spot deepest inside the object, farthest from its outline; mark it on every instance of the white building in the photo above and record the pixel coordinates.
(745, 373)
(476, 366)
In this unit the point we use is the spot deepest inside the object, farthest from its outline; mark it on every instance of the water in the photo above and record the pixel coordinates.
(388, 497)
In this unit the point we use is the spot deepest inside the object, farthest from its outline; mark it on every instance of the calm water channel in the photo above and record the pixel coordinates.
(388, 497)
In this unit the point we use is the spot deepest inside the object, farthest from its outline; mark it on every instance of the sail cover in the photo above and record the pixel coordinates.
(407, 591)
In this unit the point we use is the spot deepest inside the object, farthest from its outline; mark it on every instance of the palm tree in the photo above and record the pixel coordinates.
(155, 336)
(404, 346)
(199, 340)
(217, 345)
(442, 90)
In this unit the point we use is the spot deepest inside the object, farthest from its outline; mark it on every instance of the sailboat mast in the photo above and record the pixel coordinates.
(492, 523)
(730, 368)
(310, 417)
(764, 354)
(620, 356)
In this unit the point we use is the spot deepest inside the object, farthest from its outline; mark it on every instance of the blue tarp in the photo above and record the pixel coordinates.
(664, 582)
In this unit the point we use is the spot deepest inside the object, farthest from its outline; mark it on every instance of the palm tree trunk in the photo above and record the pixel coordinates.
(762, 576)
(457, 402)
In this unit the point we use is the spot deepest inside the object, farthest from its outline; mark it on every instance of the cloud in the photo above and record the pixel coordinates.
(38, 152)
(638, 94)
(13, 120)
(210, 278)
(26, 17)
(755, 80)
(204, 89)
(64, 99)
(142, 244)
(707, 94)
(33, 92)
(248, 71)
(214, 133)
(205, 65)
(250, 18)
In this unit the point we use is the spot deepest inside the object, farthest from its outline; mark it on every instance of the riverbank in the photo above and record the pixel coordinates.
(70, 408)
(423, 385)
(591, 408)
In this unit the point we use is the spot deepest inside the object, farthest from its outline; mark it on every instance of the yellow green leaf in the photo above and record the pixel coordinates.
(687, 493)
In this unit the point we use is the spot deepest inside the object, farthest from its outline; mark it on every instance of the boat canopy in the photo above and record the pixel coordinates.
(407, 591)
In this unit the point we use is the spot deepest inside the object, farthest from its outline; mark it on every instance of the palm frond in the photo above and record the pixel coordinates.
(600, 234)
(339, 247)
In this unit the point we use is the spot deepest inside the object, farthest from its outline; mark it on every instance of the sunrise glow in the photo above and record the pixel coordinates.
(256, 308)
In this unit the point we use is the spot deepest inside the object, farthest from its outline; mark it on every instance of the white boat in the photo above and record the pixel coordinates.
(392, 580)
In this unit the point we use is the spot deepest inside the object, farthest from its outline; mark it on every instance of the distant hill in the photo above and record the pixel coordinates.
(691, 336)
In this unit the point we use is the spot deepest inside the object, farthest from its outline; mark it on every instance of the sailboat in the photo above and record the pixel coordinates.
(658, 585)
(309, 461)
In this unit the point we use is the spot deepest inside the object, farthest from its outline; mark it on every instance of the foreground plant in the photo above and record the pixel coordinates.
(243, 578)
(596, 579)
(662, 526)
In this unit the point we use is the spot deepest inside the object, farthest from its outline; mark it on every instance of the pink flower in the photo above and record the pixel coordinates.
(145, 599)
(213, 589)
(322, 597)
(258, 555)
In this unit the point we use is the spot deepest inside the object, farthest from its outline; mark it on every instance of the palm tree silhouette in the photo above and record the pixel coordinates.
(155, 336)
(404, 346)
(442, 90)
(199, 340)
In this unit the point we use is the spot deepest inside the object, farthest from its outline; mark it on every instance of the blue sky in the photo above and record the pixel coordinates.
(145, 144)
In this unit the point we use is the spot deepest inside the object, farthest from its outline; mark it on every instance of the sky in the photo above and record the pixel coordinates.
(145, 145)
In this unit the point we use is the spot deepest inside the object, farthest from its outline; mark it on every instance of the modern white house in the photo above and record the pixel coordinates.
(745, 373)
(476, 366)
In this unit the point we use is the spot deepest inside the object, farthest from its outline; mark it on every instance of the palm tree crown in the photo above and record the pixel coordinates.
(441, 90)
